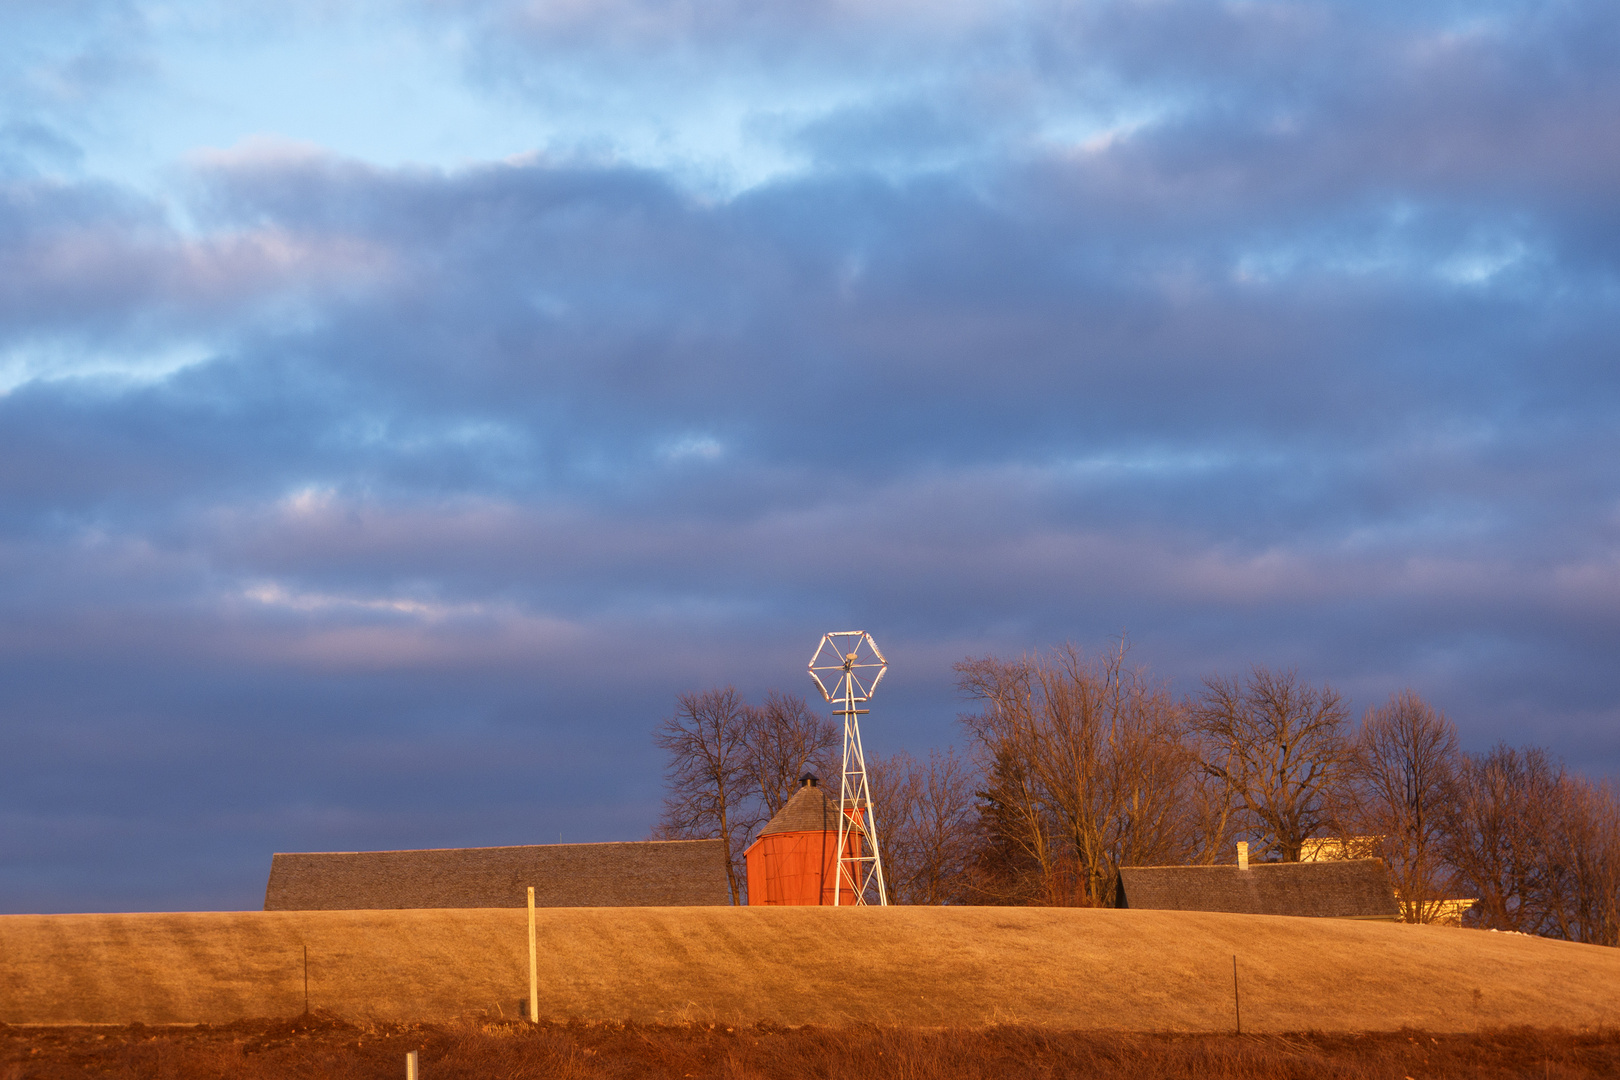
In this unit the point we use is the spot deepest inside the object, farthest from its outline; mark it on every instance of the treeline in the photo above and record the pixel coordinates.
(1080, 765)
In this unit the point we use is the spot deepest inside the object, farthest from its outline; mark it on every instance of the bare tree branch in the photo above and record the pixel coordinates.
(1278, 746)
(1540, 848)
(927, 825)
(1400, 780)
(707, 776)
(1086, 767)
(785, 739)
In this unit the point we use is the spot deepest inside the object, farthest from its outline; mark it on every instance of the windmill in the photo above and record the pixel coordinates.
(847, 668)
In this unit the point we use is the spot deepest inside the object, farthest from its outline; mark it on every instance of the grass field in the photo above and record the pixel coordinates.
(317, 1046)
(1052, 968)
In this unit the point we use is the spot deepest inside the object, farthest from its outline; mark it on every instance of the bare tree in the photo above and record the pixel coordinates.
(1279, 747)
(1018, 860)
(1400, 777)
(1086, 768)
(708, 779)
(1584, 856)
(1496, 831)
(926, 825)
(1112, 761)
(1540, 847)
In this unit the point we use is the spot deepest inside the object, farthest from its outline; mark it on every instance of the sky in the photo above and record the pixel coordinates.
(402, 402)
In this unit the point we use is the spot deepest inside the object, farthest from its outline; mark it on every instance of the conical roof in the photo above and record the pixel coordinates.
(810, 810)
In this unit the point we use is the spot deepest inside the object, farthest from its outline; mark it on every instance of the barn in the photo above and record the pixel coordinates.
(652, 873)
(1342, 889)
(793, 862)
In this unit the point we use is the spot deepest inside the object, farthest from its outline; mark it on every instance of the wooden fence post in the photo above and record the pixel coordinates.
(534, 968)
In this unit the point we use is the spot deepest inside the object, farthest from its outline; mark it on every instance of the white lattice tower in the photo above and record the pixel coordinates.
(847, 668)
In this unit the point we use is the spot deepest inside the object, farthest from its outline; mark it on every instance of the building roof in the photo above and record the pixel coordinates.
(652, 873)
(810, 810)
(1343, 889)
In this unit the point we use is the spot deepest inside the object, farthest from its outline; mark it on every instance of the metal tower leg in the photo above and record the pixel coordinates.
(854, 677)
(857, 872)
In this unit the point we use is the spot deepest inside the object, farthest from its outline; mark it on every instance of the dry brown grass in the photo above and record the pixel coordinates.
(1056, 968)
(320, 1046)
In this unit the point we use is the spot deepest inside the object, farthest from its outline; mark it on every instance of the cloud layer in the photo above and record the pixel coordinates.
(349, 504)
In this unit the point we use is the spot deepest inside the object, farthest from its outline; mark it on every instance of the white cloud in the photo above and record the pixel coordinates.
(694, 448)
(59, 360)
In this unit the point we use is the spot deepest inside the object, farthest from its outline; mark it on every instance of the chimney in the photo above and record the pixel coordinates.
(807, 780)
(1243, 854)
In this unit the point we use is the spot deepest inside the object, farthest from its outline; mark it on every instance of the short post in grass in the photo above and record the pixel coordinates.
(534, 968)
(410, 1066)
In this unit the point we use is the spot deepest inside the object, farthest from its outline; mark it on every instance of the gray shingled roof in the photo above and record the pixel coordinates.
(810, 810)
(653, 873)
(1345, 889)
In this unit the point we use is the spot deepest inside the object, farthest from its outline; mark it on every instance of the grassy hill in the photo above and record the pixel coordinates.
(1052, 967)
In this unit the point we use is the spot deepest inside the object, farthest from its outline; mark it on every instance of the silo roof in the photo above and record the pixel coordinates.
(810, 810)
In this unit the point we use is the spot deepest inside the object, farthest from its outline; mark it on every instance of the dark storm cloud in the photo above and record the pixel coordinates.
(347, 507)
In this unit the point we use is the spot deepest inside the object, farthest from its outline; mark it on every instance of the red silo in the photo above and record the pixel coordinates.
(794, 861)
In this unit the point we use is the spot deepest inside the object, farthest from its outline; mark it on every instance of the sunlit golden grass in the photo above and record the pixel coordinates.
(1059, 969)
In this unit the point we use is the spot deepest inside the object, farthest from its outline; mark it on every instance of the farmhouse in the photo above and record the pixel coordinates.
(1339, 889)
(653, 873)
(793, 862)
(1440, 911)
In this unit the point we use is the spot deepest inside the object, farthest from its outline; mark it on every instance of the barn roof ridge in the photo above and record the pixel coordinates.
(634, 873)
(504, 847)
(1234, 868)
(1342, 888)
